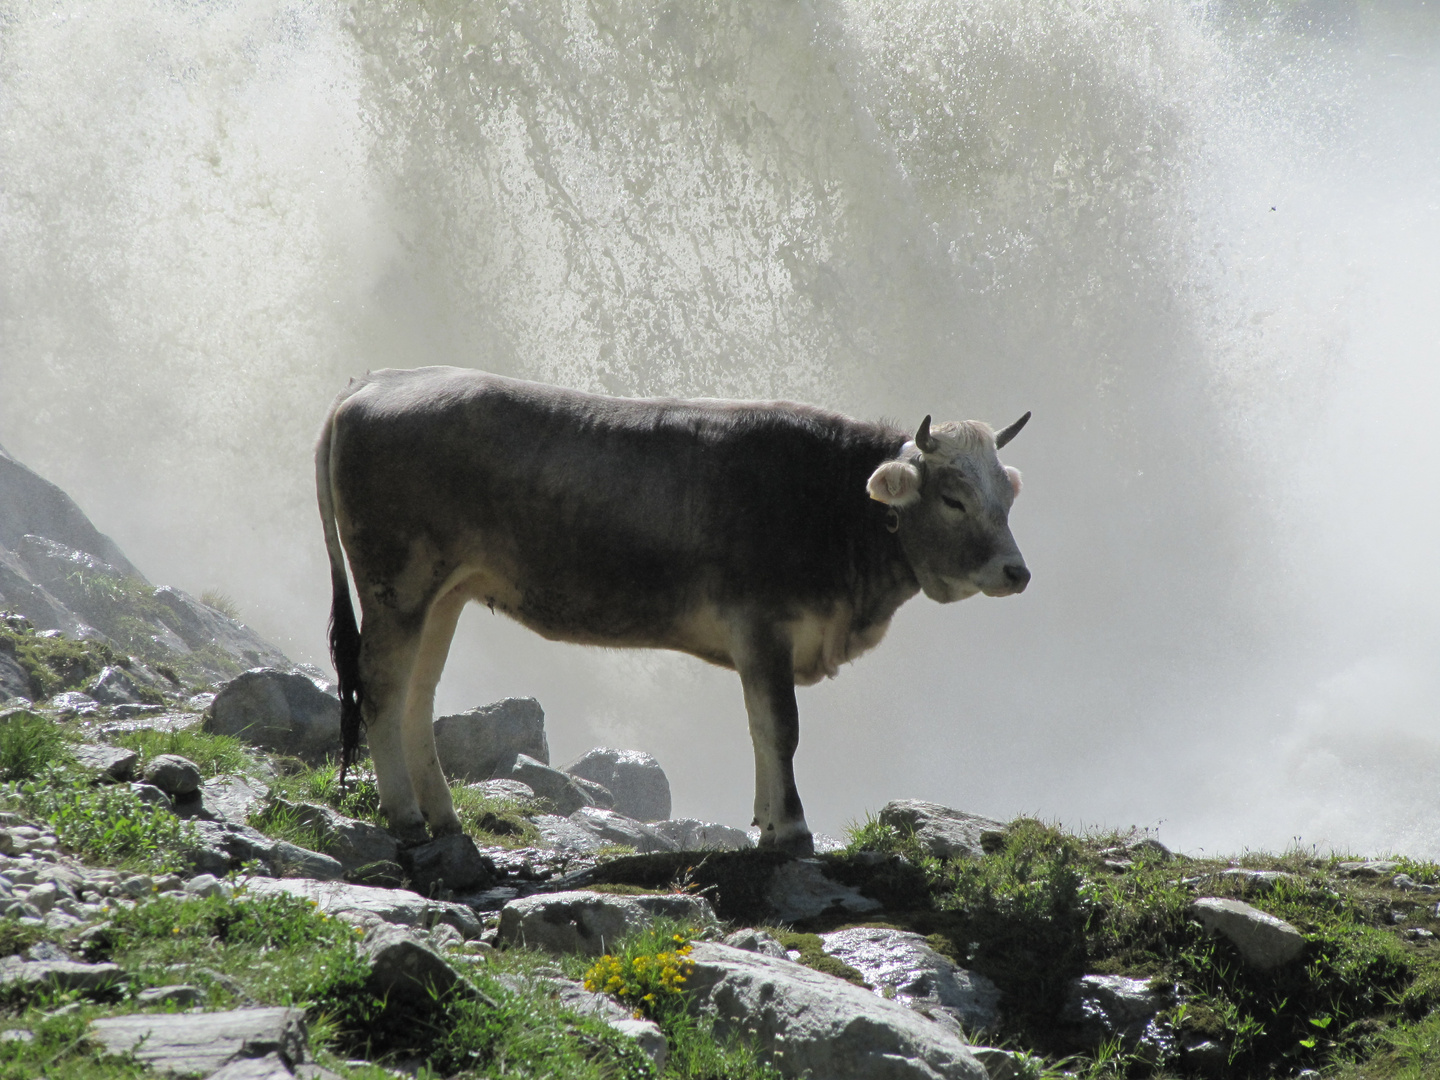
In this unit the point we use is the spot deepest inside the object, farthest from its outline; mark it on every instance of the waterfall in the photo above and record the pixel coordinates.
(1197, 239)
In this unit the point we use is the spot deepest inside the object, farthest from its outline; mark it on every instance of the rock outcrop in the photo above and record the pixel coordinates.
(635, 780)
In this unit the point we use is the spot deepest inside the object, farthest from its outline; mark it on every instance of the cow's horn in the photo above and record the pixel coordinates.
(927, 443)
(1009, 433)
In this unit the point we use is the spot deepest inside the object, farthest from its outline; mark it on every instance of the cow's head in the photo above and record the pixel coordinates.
(951, 499)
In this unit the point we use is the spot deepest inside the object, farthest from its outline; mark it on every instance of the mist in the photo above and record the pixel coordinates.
(1200, 241)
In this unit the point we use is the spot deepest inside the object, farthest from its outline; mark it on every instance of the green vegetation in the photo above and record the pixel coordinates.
(56, 664)
(104, 825)
(222, 602)
(359, 799)
(214, 754)
(29, 744)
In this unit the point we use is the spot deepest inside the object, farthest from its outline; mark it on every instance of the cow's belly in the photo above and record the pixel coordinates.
(823, 640)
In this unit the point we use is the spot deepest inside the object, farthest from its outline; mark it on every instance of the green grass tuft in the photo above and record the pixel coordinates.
(30, 744)
(214, 754)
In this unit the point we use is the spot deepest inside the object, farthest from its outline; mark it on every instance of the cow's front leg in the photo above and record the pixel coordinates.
(767, 674)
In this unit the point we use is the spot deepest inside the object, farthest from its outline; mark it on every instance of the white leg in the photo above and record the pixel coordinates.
(421, 760)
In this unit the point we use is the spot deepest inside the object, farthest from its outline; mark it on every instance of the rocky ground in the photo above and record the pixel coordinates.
(186, 889)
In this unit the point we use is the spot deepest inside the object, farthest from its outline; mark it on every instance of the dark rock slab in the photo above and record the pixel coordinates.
(401, 965)
(449, 862)
(354, 843)
(1099, 1008)
(110, 762)
(173, 774)
(185, 1043)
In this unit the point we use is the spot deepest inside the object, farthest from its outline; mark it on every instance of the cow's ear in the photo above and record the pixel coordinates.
(1014, 475)
(896, 483)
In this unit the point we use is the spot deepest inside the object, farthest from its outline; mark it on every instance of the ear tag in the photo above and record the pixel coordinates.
(892, 520)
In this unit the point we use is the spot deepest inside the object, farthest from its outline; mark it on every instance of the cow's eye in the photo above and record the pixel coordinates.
(954, 504)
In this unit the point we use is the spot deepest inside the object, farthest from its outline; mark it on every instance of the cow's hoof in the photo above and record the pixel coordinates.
(410, 833)
(446, 828)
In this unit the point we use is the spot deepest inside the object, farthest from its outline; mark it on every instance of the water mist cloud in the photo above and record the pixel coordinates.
(210, 217)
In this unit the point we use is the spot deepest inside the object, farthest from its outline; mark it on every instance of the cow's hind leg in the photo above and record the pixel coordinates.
(421, 760)
(767, 674)
(387, 658)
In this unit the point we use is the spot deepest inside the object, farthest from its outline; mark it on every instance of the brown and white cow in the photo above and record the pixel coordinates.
(768, 537)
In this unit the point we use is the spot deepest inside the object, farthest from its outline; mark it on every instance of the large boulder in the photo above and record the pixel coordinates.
(591, 828)
(811, 1024)
(635, 780)
(564, 792)
(280, 711)
(948, 833)
(1263, 941)
(590, 923)
(485, 741)
(185, 1044)
(448, 863)
(1102, 1008)
(901, 967)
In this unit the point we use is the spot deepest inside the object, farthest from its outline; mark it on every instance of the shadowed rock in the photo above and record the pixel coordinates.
(204, 1043)
(280, 711)
(485, 741)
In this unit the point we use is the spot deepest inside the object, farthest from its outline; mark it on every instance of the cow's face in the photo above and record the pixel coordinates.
(951, 499)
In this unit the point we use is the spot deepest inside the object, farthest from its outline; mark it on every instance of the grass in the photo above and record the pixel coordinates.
(222, 602)
(104, 825)
(29, 744)
(215, 755)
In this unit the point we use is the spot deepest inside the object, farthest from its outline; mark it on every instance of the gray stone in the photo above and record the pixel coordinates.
(590, 922)
(290, 860)
(900, 966)
(239, 843)
(364, 905)
(690, 834)
(598, 794)
(636, 781)
(949, 834)
(32, 975)
(801, 890)
(401, 965)
(449, 862)
(15, 685)
(1004, 1064)
(16, 1035)
(173, 774)
(1103, 1007)
(611, 828)
(559, 788)
(485, 741)
(180, 994)
(504, 789)
(1369, 868)
(279, 711)
(73, 701)
(31, 504)
(227, 798)
(1263, 940)
(651, 1039)
(203, 885)
(354, 843)
(752, 940)
(110, 762)
(1259, 880)
(115, 686)
(204, 1043)
(150, 795)
(813, 1024)
(269, 1067)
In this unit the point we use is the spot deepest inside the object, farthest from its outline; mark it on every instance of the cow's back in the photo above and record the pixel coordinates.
(610, 515)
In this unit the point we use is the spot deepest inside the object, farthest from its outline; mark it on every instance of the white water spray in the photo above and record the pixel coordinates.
(210, 216)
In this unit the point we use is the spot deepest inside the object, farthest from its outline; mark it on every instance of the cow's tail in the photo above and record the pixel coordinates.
(344, 633)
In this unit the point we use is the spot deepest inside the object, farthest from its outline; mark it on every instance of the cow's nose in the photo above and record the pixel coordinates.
(1018, 574)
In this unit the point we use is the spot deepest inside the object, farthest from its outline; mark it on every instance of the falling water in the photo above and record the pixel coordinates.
(1198, 240)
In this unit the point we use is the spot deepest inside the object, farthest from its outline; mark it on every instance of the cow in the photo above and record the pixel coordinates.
(772, 538)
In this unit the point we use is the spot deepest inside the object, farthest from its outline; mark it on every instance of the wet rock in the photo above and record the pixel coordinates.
(173, 774)
(635, 780)
(449, 862)
(813, 1024)
(115, 686)
(1003, 1064)
(110, 762)
(31, 975)
(1103, 1007)
(1263, 940)
(559, 788)
(204, 1043)
(801, 890)
(485, 741)
(902, 967)
(290, 860)
(690, 834)
(504, 789)
(948, 833)
(758, 941)
(354, 843)
(401, 965)
(280, 711)
(610, 828)
(589, 922)
(74, 703)
(366, 906)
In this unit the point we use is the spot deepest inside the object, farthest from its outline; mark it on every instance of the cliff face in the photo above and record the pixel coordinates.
(66, 577)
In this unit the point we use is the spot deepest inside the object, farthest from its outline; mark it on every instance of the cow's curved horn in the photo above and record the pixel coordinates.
(927, 443)
(1001, 438)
